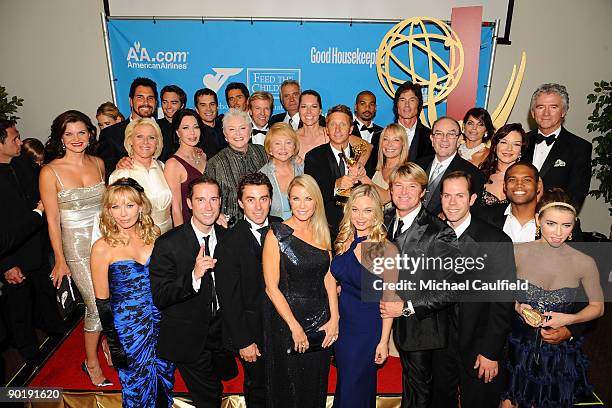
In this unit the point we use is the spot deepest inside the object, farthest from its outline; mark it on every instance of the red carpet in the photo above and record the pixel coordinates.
(63, 369)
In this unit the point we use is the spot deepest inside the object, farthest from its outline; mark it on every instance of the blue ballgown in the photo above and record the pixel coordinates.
(137, 323)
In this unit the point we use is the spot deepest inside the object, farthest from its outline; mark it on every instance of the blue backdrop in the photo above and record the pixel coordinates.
(337, 59)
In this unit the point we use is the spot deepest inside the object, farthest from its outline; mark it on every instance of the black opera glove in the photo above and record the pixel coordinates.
(112, 338)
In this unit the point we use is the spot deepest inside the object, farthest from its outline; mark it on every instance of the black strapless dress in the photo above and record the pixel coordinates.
(299, 380)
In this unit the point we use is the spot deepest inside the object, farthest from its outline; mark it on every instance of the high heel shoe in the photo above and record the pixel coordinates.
(107, 354)
(104, 383)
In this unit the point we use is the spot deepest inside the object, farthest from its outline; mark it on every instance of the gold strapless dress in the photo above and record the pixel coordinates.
(79, 208)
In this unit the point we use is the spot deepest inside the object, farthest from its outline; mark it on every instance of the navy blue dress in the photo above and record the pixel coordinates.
(545, 375)
(137, 324)
(359, 333)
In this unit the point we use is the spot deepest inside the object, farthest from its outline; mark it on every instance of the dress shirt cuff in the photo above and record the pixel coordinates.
(195, 282)
(36, 210)
(410, 307)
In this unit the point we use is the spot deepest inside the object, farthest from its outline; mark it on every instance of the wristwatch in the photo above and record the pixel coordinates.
(408, 310)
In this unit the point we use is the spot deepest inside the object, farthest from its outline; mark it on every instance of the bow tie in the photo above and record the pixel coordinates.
(369, 129)
(258, 131)
(548, 139)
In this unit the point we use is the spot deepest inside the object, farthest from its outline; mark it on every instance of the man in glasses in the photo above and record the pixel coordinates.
(444, 137)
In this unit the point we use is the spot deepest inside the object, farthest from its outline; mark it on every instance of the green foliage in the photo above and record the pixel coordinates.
(600, 122)
(9, 106)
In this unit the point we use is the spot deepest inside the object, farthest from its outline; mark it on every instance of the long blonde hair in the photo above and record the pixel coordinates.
(397, 130)
(145, 227)
(377, 235)
(318, 222)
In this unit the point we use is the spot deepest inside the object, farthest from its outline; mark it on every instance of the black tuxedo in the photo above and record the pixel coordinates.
(111, 144)
(567, 166)
(322, 165)
(24, 247)
(375, 142)
(421, 143)
(212, 140)
(241, 292)
(422, 338)
(479, 327)
(186, 331)
(433, 198)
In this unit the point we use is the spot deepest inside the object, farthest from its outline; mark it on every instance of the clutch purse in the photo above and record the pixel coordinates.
(66, 299)
(534, 316)
(315, 342)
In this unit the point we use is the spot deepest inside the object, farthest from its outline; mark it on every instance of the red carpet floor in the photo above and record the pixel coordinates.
(63, 370)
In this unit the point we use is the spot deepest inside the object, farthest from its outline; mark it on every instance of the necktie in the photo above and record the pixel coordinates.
(398, 230)
(212, 274)
(548, 139)
(258, 131)
(291, 122)
(369, 129)
(263, 231)
(435, 172)
(341, 164)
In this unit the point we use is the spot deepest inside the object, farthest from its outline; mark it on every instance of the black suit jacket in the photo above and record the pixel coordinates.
(22, 234)
(421, 143)
(240, 286)
(322, 165)
(434, 204)
(567, 166)
(185, 313)
(375, 142)
(483, 327)
(279, 117)
(428, 328)
(111, 144)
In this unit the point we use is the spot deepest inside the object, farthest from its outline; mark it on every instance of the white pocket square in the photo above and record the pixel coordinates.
(559, 163)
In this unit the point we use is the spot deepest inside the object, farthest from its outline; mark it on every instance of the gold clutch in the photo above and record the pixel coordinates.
(534, 317)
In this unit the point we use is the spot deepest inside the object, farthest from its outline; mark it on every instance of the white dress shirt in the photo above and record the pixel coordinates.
(443, 165)
(259, 137)
(295, 120)
(517, 232)
(407, 219)
(541, 150)
(365, 134)
(410, 132)
(459, 230)
(212, 244)
(255, 227)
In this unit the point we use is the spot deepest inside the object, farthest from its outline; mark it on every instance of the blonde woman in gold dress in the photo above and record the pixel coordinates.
(71, 189)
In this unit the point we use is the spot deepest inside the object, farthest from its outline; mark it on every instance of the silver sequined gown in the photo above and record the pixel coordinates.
(79, 207)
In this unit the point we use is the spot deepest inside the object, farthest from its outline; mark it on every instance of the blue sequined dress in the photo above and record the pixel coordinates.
(545, 375)
(137, 323)
(359, 333)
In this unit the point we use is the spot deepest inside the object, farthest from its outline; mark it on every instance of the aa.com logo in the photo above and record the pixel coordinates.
(139, 57)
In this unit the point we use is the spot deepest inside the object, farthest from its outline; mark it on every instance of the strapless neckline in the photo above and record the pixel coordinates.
(123, 261)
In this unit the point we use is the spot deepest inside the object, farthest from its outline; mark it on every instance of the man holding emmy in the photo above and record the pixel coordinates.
(330, 164)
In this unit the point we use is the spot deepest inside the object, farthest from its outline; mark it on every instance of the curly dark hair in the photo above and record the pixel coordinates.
(489, 166)
(253, 179)
(55, 147)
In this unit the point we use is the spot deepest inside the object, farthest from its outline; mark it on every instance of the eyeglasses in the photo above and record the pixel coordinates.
(449, 135)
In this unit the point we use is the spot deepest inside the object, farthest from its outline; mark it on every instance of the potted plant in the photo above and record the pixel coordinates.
(600, 122)
(8, 108)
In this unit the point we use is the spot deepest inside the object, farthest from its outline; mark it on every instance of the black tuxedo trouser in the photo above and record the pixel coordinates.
(18, 311)
(201, 379)
(424, 378)
(254, 383)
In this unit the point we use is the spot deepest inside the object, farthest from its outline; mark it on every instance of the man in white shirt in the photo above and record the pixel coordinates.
(365, 112)
(183, 287)
(421, 326)
(562, 158)
(407, 106)
(260, 106)
(290, 98)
